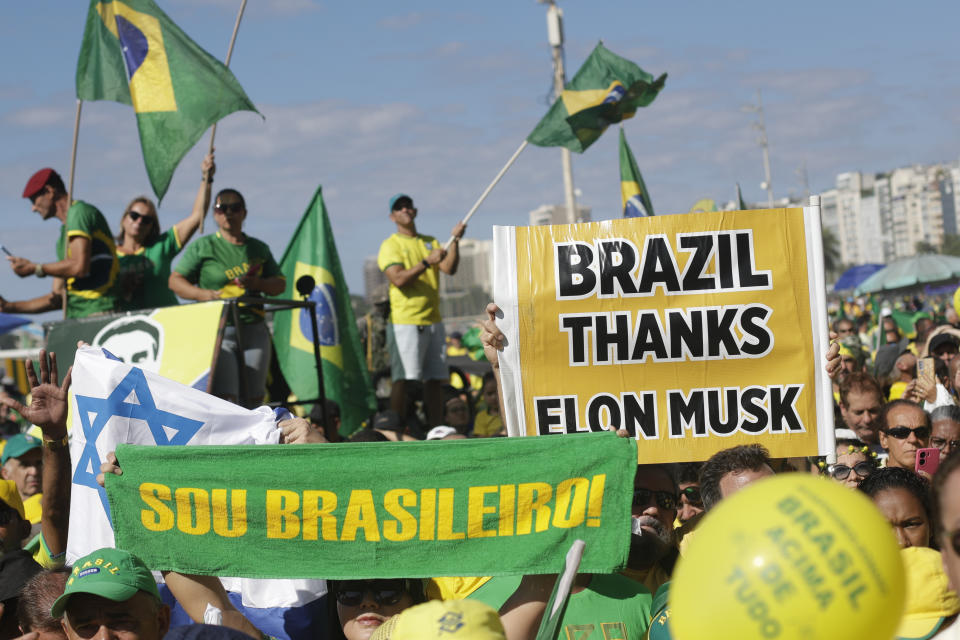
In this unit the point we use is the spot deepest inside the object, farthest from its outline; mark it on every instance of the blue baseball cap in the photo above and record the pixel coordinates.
(399, 196)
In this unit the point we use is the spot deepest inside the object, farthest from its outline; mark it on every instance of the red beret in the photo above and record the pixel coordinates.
(36, 182)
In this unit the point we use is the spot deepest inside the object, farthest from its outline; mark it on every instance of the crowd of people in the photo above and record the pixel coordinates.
(897, 406)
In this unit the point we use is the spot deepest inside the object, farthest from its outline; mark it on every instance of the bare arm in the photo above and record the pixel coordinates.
(493, 341)
(76, 265)
(47, 302)
(194, 593)
(400, 277)
(189, 225)
(183, 288)
(451, 261)
(48, 410)
(522, 612)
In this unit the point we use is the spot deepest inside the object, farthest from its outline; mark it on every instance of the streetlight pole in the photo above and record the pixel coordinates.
(761, 126)
(555, 37)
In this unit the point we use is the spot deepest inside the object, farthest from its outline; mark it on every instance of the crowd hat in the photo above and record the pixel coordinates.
(941, 339)
(16, 568)
(929, 597)
(18, 445)
(113, 574)
(388, 420)
(443, 620)
(398, 196)
(441, 432)
(10, 495)
(37, 182)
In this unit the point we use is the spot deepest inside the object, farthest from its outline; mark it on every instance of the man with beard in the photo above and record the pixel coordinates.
(653, 550)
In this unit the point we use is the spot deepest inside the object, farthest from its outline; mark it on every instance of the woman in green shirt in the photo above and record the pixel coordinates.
(229, 264)
(145, 255)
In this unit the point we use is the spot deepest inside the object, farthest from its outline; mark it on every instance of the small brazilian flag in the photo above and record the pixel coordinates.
(312, 252)
(606, 90)
(134, 54)
(636, 200)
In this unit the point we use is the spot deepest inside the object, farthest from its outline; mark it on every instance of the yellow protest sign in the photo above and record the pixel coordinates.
(694, 332)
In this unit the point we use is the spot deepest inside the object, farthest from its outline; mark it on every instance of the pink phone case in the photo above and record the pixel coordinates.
(928, 460)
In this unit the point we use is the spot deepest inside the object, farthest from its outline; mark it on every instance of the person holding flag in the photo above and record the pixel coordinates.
(87, 260)
(415, 335)
(146, 255)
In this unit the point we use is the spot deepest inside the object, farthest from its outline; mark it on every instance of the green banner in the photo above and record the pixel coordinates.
(376, 510)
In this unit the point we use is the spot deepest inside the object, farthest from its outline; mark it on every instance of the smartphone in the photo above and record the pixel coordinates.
(928, 460)
(926, 378)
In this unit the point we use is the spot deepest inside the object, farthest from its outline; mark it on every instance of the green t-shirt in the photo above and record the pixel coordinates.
(213, 263)
(612, 607)
(143, 279)
(93, 293)
(418, 302)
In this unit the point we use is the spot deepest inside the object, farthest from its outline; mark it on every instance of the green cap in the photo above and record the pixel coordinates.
(113, 574)
(18, 445)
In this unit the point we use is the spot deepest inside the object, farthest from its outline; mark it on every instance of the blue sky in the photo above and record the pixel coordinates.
(431, 98)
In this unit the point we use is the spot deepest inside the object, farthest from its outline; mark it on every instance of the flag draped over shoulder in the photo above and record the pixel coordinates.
(313, 252)
(606, 90)
(134, 54)
(636, 200)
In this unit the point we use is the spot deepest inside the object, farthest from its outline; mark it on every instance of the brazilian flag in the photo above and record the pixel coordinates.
(312, 252)
(134, 54)
(607, 89)
(636, 200)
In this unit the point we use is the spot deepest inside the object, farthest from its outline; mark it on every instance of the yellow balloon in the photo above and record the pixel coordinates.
(789, 558)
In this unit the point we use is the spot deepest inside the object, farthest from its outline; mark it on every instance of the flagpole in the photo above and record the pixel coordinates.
(226, 63)
(73, 165)
(486, 192)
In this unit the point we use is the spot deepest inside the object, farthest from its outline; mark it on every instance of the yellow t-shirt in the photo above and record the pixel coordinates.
(418, 302)
(486, 425)
(31, 508)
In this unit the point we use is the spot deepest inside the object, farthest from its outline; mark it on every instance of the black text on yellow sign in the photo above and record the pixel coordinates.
(399, 515)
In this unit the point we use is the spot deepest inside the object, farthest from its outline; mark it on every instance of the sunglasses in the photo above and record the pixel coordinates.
(940, 443)
(842, 471)
(229, 207)
(384, 592)
(693, 495)
(664, 499)
(902, 433)
(137, 216)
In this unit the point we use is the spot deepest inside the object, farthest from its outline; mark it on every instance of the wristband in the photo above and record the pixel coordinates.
(38, 271)
(53, 445)
(426, 264)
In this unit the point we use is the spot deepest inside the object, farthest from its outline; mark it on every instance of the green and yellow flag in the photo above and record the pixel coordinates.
(134, 54)
(313, 252)
(606, 90)
(636, 200)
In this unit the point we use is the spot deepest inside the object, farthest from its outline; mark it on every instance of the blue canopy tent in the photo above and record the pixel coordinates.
(9, 322)
(855, 275)
(912, 271)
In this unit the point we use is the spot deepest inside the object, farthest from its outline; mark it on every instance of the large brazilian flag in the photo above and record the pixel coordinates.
(606, 90)
(313, 252)
(134, 54)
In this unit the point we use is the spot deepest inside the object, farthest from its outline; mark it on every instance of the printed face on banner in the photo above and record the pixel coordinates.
(693, 332)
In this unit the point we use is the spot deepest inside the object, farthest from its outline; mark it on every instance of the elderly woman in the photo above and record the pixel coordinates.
(145, 254)
(229, 264)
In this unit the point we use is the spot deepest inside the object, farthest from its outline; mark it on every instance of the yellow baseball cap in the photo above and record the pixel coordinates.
(10, 495)
(929, 598)
(443, 620)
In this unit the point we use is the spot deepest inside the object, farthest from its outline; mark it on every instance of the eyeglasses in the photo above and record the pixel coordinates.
(842, 471)
(693, 495)
(941, 444)
(229, 207)
(664, 499)
(135, 215)
(384, 592)
(902, 433)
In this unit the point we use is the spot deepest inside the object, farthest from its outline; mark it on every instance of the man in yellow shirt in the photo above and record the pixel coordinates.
(415, 336)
